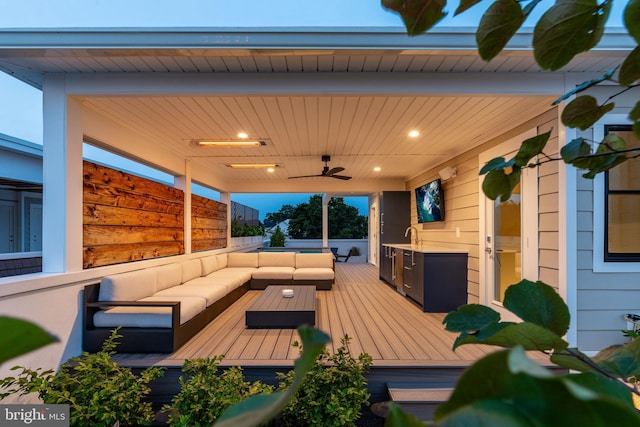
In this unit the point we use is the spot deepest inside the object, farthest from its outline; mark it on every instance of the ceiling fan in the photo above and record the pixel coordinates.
(326, 172)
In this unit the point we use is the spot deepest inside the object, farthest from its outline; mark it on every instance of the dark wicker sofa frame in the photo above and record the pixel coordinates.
(148, 340)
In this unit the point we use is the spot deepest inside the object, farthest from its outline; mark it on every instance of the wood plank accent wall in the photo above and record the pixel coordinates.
(128, 218)
(208, 224)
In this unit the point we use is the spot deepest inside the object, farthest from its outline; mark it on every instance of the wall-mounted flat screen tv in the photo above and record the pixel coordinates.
(430, 202)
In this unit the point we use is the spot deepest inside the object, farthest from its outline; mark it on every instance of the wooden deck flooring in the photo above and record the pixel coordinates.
(380, 322)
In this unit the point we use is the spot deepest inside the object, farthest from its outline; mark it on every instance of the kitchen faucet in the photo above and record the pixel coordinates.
(408, 230)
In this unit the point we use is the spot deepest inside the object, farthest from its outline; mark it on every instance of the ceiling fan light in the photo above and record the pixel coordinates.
(253, 165)
(229, 143)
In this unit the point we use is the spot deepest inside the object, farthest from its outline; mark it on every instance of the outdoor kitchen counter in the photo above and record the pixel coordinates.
(426, 249)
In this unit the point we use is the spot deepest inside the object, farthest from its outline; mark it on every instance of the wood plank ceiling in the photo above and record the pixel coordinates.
(360, 132)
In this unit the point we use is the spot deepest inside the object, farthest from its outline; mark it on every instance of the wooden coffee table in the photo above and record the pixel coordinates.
(273, 311)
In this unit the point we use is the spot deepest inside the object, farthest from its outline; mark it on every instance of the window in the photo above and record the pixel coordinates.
(622, 204)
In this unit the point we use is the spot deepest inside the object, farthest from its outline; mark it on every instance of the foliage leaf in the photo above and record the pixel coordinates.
(497, 163)
(465, 5)
(606, 156)
(630, 69)
(399, 418)
(549, 310)
(566, 29)
(585, 85)
(20, 336)
(498, 24)
(572, 358)
(622, 361)
(418, 15)
(506, 383)
(531, 148)
(583, 112)
(470, 318)
(632, 19)
(635, 112)
(574, 153)
(498, 184)
(503, 334)
(259, 409)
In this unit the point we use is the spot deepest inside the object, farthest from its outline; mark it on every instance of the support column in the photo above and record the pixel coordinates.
(225, 197)
(62, 179)
(184, 183)
(325, 220)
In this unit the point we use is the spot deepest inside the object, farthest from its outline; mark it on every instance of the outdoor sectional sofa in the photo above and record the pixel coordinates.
(160, 308)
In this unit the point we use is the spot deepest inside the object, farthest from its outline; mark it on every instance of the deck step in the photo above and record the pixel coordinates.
(419, 399)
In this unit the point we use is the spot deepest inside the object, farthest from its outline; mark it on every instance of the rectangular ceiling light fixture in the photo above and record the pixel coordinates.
(229, 143)
(253, 165)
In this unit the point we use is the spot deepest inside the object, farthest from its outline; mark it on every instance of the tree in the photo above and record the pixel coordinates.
(344, 220)
(273, 218)
(567, 28)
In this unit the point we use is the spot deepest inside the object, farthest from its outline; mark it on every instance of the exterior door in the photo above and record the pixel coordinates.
(35, 228)
(8, 241)
(508, 232)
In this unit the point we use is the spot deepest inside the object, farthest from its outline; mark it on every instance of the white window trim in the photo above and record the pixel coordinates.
(599, 265)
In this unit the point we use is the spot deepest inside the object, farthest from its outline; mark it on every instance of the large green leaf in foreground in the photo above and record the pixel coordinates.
(19, 337)
(507, 388)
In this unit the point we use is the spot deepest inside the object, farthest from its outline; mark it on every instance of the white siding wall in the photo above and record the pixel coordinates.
(461, 206)
(602, 298)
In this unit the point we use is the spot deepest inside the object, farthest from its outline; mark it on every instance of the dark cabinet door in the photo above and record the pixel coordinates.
(416, 290)
(445, 281)
(411, 282)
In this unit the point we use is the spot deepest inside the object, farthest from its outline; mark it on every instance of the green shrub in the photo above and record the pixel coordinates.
(205, 394)
(98, 391)
(277, 238)
(333, 391)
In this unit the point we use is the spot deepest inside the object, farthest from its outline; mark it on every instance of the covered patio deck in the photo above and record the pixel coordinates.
(409, 348)
(379, 321)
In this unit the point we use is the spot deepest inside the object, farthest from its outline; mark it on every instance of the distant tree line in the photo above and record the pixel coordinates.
(305, 219)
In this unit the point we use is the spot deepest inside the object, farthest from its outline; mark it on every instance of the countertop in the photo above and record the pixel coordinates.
(424, 248)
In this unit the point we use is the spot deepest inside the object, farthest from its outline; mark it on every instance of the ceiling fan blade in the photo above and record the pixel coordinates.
(334, 171)
(305, 176)
(341, 177)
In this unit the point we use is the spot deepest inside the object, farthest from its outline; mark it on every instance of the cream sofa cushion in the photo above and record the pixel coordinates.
(168, 275)
(273, 273)
(149, 317)
(242, 259)
(209, 264)
(199, 287)
(129, 286)
(276, 259)
(222, 261)
(313, 273)
(191, 269)
(314, 260)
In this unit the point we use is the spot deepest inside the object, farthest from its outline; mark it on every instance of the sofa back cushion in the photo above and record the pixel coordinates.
(191, 269)
(276, 259)
(129, 286)
(242, 259)
(222, 261)
(168, 276)
(324, 260)
(209, 264)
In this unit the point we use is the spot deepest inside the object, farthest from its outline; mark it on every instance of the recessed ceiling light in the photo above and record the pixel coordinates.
(414, 133)
(228, 143)
(243, 135)
(377, 169)
(253, 165)
(271, 170)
